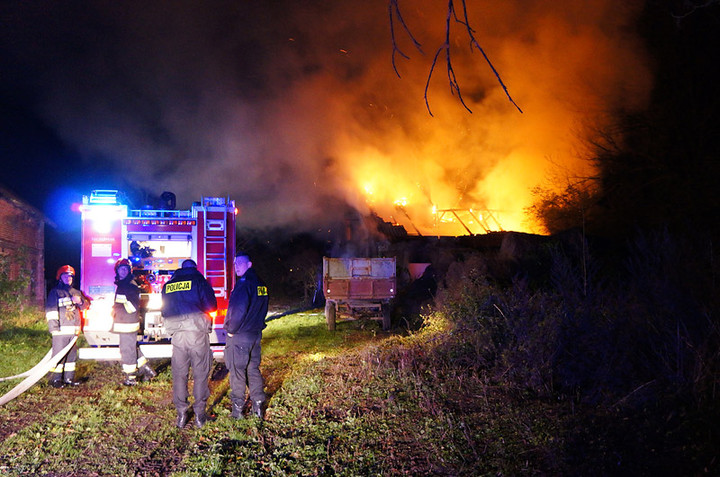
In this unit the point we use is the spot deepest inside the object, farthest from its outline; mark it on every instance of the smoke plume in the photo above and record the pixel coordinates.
(294, 110)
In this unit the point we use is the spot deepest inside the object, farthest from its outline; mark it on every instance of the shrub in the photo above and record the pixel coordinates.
(607, 337)
(13, 297)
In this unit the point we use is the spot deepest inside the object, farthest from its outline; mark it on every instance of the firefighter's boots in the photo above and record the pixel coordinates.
(58, 383)
(147, 372)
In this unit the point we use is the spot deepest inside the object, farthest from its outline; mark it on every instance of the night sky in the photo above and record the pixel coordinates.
(294, 110)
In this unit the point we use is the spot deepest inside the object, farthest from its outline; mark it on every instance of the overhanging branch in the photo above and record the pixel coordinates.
(394, 12)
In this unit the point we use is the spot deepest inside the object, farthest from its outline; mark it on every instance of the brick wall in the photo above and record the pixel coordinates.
(23, 226)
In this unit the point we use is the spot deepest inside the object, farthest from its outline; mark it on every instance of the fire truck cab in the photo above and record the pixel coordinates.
(156, 241)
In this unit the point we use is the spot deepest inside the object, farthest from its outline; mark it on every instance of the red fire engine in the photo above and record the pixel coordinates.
(156, 241)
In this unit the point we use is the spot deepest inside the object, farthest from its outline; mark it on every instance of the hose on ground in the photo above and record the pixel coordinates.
(35, 374)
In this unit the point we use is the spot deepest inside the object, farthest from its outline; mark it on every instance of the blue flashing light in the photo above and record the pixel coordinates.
(104, 197)
(213, 201)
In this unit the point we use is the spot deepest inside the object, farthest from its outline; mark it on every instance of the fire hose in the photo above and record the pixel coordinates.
(36, 373)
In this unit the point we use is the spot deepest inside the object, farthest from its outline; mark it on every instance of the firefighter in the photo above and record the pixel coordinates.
(244, 322)
(187, 301)
(127, 325)
(62, 312)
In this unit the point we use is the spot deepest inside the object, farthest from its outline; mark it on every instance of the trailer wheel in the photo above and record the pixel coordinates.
(386, 322)
(330, 312)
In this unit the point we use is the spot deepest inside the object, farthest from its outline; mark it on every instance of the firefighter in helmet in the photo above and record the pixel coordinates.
(62, 312)
(127, 325)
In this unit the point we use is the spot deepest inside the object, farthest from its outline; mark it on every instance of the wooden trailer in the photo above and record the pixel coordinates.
(359, 288)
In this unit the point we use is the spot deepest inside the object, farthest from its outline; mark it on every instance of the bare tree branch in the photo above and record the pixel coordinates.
(452, 79)
(474, 42)
(689, 7)
(394, 11)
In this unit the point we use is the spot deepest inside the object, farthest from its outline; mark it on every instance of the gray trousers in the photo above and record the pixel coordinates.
(66, 365)
(242, 358)
(191, 349)
(130, 354)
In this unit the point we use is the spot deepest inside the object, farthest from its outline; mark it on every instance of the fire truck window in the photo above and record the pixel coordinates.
(160, 254)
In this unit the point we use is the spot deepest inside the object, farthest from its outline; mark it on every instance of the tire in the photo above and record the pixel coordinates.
(386, 319)
(330, 312)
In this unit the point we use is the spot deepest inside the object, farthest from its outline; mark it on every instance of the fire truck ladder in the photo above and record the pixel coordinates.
(216, 250)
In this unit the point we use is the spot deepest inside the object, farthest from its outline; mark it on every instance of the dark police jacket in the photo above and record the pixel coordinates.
(187, 300)
(248, 305)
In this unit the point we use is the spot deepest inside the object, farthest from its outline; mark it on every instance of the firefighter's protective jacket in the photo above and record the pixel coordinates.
(61, 313)
(187, 299)
(125, 307)
(248, 305)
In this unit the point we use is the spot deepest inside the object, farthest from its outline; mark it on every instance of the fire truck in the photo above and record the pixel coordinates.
(156, 241)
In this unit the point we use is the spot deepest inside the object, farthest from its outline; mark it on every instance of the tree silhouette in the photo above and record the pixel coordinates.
(658, 168)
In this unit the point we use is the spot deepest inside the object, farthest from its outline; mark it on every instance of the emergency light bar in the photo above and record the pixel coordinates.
(103, 197)
(213, 201)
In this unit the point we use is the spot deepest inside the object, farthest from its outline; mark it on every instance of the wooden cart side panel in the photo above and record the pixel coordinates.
(384, 288)
(383, 268)
(359, 267)
(336, 288)
(336, 268)
(359, 288)
(354, 288)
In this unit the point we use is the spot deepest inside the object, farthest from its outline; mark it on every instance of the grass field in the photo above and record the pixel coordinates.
(357, 401)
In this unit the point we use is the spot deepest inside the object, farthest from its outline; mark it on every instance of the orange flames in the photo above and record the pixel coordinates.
(568, 66)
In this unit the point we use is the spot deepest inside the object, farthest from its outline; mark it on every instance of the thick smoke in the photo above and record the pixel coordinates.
(294, 110)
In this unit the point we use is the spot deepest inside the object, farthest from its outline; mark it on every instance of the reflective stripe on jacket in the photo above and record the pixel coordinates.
(61, 313)
(125, 306)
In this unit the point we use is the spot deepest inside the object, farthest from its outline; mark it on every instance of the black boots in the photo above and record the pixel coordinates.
(182, 419)
(236, 411)
(200, 420)
(257, 409)
(147, 372)
(58, 383)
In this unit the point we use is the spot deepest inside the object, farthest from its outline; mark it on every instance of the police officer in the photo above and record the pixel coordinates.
(244, 323)
(62, 312)
(126, 324)
(187, 300)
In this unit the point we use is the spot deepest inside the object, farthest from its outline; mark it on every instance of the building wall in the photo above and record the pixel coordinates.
(21, 225)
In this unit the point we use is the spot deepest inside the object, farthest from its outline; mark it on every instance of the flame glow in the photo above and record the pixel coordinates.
(301, 114)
